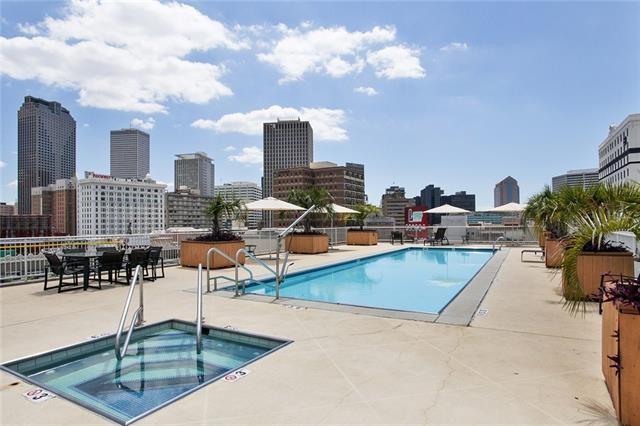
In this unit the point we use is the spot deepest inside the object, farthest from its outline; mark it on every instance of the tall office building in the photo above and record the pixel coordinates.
(108, 205)
(430, 197)
(461, 200)
(583, 178)
(506, 191)
(286, 144)
(46, 147)
(187, 209)
(57, 200)
(196, 172)
(394, 202)
(244, 191)
(129, 154)
(619, 153)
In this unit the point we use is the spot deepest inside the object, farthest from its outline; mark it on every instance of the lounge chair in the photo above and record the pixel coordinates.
(397, 235)
(439, 237)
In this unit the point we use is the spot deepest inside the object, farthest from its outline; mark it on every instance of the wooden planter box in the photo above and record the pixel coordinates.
(193, 253)
(307, 244)
(362, 238)
(591, 266)
(554, 253)
(542, 238)
(621, 337)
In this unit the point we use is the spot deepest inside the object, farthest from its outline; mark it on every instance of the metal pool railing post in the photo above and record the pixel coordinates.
(199, 311)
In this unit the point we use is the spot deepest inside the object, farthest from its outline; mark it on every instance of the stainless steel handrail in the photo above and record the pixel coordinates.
(199, 312)
(500, 238)
(230, 259)
(258, 261)
(138, 315)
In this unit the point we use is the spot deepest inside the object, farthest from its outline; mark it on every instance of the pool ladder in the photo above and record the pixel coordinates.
(138, 316)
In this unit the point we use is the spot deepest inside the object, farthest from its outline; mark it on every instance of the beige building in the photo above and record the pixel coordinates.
(186, 209)
(7, 209)
(394, 202)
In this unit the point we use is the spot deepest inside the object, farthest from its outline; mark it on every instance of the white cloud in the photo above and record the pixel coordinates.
(85, 125)
(129, 56)
(229, 148)
(168, 184)
(142, 124)
(249, 155)
(326, 122)
(396, 62)
(13, 184)
(2, 164)
(455, 46)
(369, 91)
(334, 51)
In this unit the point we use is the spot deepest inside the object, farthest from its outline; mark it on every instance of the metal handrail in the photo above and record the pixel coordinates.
(295, 222)
(138, 315)
(500, 238)
(230, 259)
(258, 261)
(199, 311)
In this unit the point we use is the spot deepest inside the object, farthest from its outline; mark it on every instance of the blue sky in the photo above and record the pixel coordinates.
(456, 94)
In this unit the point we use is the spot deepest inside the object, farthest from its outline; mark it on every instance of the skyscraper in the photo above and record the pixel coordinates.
(461, 200)
(46, 147)
(196, 172)
(430, 197)
(506, 191)
(583, 178)
(619, 153)
(245, 191)
(286, 144)
(394, 202)
(129, 154)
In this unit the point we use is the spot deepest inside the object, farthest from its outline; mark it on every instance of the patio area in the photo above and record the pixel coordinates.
(522, 360)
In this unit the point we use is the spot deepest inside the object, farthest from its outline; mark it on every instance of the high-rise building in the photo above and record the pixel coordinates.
(344, 183)
(109, 205)
(619, 153)
(461, 200)
(506, 191)
(244, 191)
(394, 202)
(25, 225)
(286, 144)
(583, 178)
(46, 147)
(129, 154)
(196, 172)
(186, 209)
(430, 197)
(57, 200)
(7, 209)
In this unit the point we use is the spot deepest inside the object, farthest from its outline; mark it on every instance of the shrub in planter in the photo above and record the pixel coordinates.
(361, 236)
(194, 251)
(309, 241)
(621, 346)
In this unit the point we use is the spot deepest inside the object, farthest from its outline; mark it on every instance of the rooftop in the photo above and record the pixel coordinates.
(515, 363)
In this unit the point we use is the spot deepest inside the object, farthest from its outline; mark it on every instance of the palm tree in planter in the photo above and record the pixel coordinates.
(361, 236)
(588, 255)
(309, 241)
(194, 252)
(546, 212)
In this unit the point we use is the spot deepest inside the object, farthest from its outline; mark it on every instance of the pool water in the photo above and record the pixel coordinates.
(412, 279)
(161, 365)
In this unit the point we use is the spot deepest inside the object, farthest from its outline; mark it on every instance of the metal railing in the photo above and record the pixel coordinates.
(138, 315)
(22, 261)
(199, 311)
(230, 259)
(258, 261)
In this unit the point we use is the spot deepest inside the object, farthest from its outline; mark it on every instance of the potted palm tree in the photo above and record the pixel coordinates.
(194, 252)
(589, 254)
(309, 241)
(543, 209)
(361, 236)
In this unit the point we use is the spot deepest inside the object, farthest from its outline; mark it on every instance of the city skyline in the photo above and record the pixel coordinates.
(464, 77)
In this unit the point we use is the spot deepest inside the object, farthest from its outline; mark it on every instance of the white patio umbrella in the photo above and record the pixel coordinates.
(272, 204)
(509, 208)
(338, 209)
(447, 209)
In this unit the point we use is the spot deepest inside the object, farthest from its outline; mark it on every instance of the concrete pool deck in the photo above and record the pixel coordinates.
(523, 359)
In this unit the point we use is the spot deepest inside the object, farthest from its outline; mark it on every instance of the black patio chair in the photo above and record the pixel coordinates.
(111, 262)
(155, 258)
(397, 235)
(102, 249)
(62, 268)
(438, 237)
(137, 257)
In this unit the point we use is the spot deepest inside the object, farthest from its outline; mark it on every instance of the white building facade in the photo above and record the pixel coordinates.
(619, 154)
(108, 205)
(582, 178)
(244, 191)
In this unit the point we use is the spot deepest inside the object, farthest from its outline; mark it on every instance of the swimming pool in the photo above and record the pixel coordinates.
(411, 279)
(160, 367)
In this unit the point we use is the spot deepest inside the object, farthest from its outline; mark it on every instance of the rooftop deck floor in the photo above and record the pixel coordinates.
(525, 361)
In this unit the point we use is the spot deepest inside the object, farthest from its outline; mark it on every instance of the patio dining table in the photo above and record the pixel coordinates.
(86, 259)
